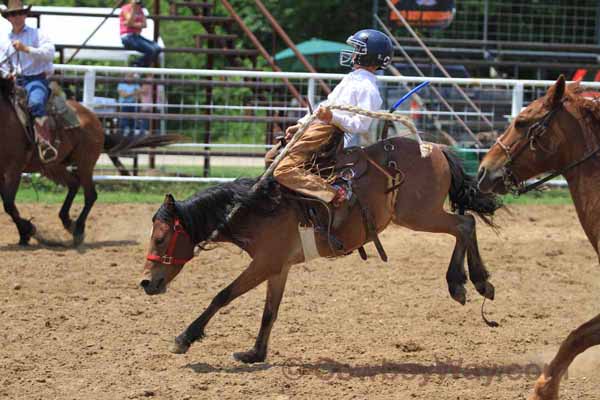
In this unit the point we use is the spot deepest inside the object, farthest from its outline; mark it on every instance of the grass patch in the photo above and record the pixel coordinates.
(546, 197)
(41, 190)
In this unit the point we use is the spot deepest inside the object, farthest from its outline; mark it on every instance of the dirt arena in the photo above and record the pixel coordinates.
(74, 324)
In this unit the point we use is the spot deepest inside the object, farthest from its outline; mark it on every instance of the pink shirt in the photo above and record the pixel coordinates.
(138, 17)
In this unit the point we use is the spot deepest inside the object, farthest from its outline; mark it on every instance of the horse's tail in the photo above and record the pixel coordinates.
(464, 193)
(116, 143)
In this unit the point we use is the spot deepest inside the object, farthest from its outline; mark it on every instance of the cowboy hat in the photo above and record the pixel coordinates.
(14, 7)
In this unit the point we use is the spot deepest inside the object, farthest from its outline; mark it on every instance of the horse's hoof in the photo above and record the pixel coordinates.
(249, 357)
(179, 348)
(69, 225)
(486, 289)
(26, 237)
(458, 293)
(78, 239)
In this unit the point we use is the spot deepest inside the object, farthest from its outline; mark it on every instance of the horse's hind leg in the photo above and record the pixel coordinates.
(460, 227)
(477, 271)
(275, 289)
(90, 197)
(72, 182)
(9, 184)
(254, 275)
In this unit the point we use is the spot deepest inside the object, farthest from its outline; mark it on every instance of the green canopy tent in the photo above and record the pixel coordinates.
(324, 55)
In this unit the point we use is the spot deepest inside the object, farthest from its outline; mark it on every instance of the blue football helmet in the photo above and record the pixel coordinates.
(370, 47)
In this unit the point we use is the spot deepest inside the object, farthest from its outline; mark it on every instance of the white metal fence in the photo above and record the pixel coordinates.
(231, 117)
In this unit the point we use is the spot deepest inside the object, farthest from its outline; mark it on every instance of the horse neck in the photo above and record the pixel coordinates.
(205, 215)
(13, 137)
(584, 182)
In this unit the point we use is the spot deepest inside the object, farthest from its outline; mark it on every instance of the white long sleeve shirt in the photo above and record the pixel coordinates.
(358, 88)
(41, 52)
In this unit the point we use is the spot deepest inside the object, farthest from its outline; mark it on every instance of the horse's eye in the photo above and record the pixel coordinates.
(520, 124)
(160, 241)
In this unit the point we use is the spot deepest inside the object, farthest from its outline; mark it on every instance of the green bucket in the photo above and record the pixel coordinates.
(470, 159)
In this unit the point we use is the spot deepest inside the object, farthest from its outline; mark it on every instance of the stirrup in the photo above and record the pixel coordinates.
(49, 149)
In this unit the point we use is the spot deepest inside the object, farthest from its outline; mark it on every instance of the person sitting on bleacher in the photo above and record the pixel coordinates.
(132, 21)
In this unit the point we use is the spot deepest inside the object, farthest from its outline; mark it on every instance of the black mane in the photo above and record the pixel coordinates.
(7, 87)
(208, 209)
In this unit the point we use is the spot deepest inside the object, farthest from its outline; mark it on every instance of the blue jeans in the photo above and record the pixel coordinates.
(133, 41)
(38, 92)
(127, 125)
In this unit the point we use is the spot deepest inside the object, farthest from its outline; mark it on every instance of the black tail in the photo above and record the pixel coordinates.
(117, 143)
(464, 194)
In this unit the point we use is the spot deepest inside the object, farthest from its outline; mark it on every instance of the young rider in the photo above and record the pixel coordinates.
(372, 50)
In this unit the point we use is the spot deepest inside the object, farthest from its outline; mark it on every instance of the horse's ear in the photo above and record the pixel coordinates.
(556, 92)
(169, 201)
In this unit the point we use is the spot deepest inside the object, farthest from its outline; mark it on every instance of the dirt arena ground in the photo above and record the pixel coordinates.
(74, 324)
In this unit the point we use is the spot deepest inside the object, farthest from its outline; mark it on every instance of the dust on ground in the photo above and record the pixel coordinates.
(75, 325)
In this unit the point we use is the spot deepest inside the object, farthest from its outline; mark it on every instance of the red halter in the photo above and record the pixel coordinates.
(168, 257)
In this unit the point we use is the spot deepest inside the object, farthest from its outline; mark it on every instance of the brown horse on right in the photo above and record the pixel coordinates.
(559, 133)
(266, 227)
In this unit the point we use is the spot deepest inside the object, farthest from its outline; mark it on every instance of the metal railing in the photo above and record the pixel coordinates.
(249, 108)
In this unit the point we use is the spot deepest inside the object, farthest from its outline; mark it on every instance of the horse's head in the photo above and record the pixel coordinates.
(529, 145)
(170, 248)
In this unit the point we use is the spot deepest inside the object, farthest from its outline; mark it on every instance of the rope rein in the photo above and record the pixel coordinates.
(407, 122)
(425, 148)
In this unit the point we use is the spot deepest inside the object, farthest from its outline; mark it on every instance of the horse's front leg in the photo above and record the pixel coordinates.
(275, 289)
(256, 273)
(9, 184)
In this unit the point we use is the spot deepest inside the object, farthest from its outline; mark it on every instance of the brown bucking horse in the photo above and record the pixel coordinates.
(267, 228)
(79, 150)
(556, 133)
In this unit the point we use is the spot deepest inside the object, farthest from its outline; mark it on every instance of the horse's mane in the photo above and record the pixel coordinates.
(7, 87)
(208, 209)
(588, 107)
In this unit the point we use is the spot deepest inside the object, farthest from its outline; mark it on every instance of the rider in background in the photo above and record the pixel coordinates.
(32, 53)
(132, 20)
(372, 50)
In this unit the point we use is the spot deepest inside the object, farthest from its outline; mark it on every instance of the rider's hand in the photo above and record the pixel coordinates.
(290, 131)
(19, 46)
(325, 114)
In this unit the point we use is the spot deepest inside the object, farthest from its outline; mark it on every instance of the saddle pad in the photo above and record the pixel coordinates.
(309, 244)
(60, 110)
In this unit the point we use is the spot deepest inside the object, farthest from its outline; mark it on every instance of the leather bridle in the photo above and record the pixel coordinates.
(534, 132)
(168, 258)
(513, 150)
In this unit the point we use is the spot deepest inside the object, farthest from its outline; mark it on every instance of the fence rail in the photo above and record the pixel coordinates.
(242, 111)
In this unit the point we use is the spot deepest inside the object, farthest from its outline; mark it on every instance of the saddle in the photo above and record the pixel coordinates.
(60, 115)
(348, 167)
